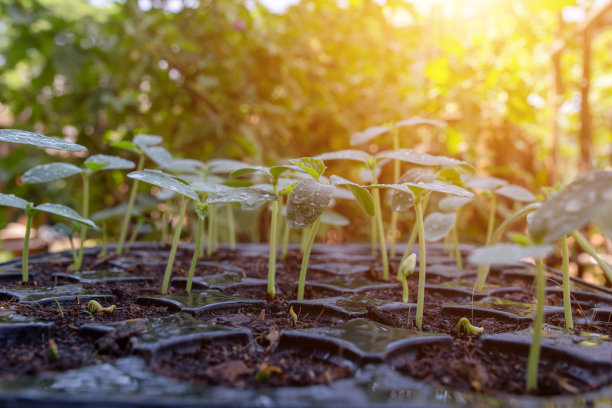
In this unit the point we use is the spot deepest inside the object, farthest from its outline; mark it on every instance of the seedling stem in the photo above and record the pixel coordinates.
(418, 205)
(273, 245)
(196, 252)
(567, 305)
(175, 241)
(311, 237)
(584, 243)
(29, 210)
(130, 208)
(379, 226)
(534, 350)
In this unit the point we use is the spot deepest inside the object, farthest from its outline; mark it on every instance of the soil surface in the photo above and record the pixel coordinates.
(464, 362)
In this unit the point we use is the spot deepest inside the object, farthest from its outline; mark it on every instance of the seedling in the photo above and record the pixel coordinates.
(273, 174)
(55, 171)
(420, 191)
(393, 128)
(562, 213)
(95, 306)
(406, 269)
(453, 205)
(69, 233)
(309, 199)
(294, 317)
(54, 354)
(464, 326)
(492, 187)
(138, 146)
(10, 200)
(59, 307)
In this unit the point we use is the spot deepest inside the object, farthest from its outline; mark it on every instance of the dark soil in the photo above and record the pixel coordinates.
(465, 365)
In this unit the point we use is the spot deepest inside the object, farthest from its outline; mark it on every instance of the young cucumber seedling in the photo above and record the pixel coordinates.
(10, 200)
(394, 130)
(309, 199)
(55, 171)
(562, 213)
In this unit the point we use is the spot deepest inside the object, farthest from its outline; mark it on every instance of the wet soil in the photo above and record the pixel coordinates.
(466, 364)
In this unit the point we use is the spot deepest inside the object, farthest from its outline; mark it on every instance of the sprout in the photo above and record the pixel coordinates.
(466, 327)
(308, 201)
(95, 306)
(294, 317)
(137, 145)
(10, 200)
(54, 354)
(55, 171)
(420, 191)
(453, 204)
(274, 176)
(406, 269)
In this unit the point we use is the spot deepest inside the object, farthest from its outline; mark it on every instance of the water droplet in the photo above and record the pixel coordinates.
(574, 205)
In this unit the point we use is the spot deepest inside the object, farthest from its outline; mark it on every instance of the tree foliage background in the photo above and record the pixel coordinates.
(228, 78)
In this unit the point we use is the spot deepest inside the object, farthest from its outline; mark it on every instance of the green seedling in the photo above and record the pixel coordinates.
(406, 269)
(95, 306)
(309, 199)
(138, 146)
(453, 205)
(274, 176)
(494, 187)
(562, 213)
(34, 139)
(394, 130)
(55, 171)
(294, 317)
(69, 233)
(10, 200)
(59, 307)
(163, 180)
(420, 191)
(464, 326)
(54, 354)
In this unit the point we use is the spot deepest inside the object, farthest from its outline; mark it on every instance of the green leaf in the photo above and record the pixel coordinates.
(108, 162)
(521, 239)
(163, 180)
(144, 141)
(10, 200)
(205, 187)
(95, 166)
(333, 218)
(422, 159)
(250, 170)
(124, 144)
(350, 154)
(248, 197)
(363, 196)
(50, 172)
(438, 225)
(604, 220)
(306, 203)
(368, 134)
(452, 203)
(507, 254)
(314, 167)
(452, 176)
(237, 183)
(65, 212)
(515, 192)
(571, 207)
(225, 166)
(34, 139)
(162, 157)
(485, 183)
(419, 187)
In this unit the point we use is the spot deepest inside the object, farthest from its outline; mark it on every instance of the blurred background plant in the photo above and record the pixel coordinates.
(524, 85)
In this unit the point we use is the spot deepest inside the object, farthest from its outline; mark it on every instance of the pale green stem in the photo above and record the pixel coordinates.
(134, 234)
(304, 240)
(215, 242)
(26, 246)
(404, 289)
(380, 227)
(73, 249)
(211, 229)
(418, 205)
(396, 177)
(534, 350)
(413, 234)
(584, 243)
(483, 270)
(83, 232)
(491, 223)
(273, 246)
(196, 251)
(373, 236)
(164, 230)
(311, 237)
(456, 245)
(204, 233)
(104, 240)
(130, 208)
(231, 226)
(286, 232)
(175, 242)
(567, 303)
